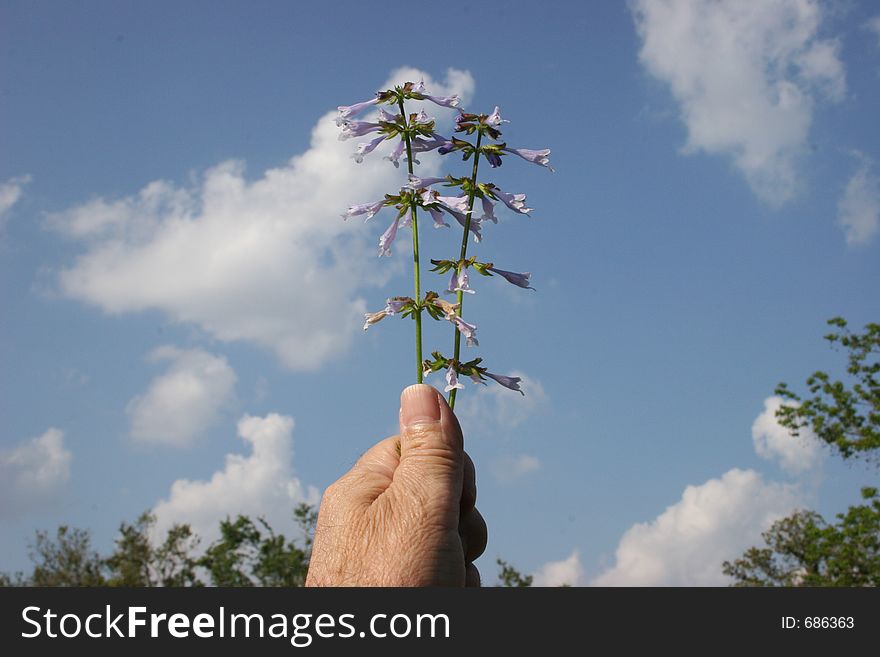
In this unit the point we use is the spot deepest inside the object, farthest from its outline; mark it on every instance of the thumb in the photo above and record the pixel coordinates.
(431, 446)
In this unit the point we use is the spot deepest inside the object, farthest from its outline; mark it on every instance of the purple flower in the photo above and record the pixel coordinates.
(521, 280)
(457, 203)
(494, 159)
(452, 380)
(437, 216)
(394, 156)
(374, 318)
(387, 238)
(535, 157)
(447, 308)
(396, 304)
(357, 129)
(467, 330)
(516, 202)
(422, 118)
(443, 101)
(385, 116)
(476, 378)
(420, 145)
(349, 111)
(511, 382)
(488, 210)
(474, 225)
(494, 119)
(366, 148)
(418, 183)
(459, 282)
(369, 209)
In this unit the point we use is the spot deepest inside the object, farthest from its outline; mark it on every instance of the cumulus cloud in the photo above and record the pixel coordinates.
(268, 261)
(874, 25)
(772, 441)
(490, 407)
(746, 76)
(511, 467)
(10, 193)
(33, 473)
(568, 572)
(687, 543)
(858, 210)
(260, 484)
(183, 402)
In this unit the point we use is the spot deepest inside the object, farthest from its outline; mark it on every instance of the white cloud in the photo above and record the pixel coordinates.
(33, 473)
(746, 76)
(558, 573)
(10, 193)
(874, 25)
(796, 454)
(267, 261)
(183, 402)
(490, 407)
(510, 467)
(261, 484)
(858, 210)
(687, 543)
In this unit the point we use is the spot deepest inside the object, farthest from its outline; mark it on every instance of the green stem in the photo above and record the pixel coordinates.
(417, 315)
(464, 245)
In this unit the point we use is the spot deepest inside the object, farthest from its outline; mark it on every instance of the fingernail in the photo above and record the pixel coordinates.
(419, 405)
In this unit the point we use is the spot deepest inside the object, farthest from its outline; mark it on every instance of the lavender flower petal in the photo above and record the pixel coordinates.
(374, 318)
(394, 156)
(346, 112)
(488, 211)
(366, 148)
(520, 280)
(387, 238)
(535, 157)
(452, 381)
(516, 202)
(369, 209)
(511, 382)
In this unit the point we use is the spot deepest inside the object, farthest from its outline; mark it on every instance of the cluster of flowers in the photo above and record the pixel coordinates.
(416, 134)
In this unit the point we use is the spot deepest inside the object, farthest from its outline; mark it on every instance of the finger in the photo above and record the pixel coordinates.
(431, 448)
(473, 533)
(469, 485)
(471, 576)
(373, 472)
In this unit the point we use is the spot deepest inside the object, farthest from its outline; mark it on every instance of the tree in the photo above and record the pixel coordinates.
(802, 549)
(246, 556)
(511, 577)
(247, 553)
(66, 560)
(137, 562)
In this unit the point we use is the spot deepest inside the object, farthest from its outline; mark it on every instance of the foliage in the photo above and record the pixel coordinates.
(248, 553)
(803, 549)
(511, 577)
(845, 417)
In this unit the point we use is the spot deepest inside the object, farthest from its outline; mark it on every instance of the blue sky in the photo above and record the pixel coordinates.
(182, 303)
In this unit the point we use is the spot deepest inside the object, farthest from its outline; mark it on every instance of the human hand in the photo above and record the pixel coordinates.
(404, 514)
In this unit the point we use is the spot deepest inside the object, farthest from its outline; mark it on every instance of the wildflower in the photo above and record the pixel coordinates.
(420, 145)
(357, 129)
(418, 183)
(394, 156)
(521, 280)
(346, 112)
(535, 157)
(418, 92)
(467, 330)
(452, 380)
(474, 226)
(447, 308)
(494, 119)
(366, 148)
(494, 159)
(516, 202)
(511, 382)
(369, 209)
(375, 318)
(457, 203)
(387, 238)
(396, 304)
(488, 210)
(437, 216)
(459, 282)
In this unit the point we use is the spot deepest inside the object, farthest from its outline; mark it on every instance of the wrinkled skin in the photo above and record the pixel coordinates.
(404, 514)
